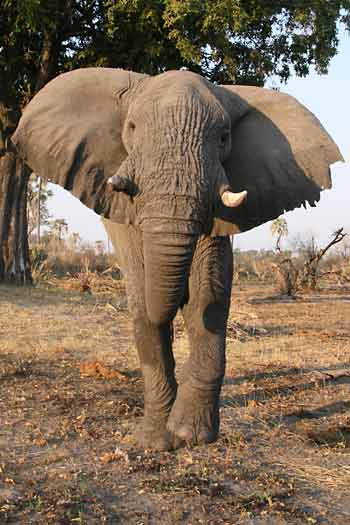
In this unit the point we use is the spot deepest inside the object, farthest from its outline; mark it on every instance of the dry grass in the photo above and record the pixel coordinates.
(60, 257)
(66, 448)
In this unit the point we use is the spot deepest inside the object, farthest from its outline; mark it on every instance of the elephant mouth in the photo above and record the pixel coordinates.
(172, 226)
(175, 214)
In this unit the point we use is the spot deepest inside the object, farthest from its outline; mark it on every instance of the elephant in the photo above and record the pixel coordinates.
(176, 164)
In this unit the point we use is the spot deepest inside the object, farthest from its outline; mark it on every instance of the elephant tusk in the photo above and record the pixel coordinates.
(117, 182)
(232, 200)
(122, 184)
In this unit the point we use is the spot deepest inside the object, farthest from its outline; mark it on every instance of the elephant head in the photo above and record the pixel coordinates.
(177, 156)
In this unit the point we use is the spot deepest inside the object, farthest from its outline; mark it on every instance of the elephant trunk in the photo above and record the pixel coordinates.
(167, 259)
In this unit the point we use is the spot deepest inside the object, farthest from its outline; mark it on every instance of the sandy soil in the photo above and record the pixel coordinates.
(66, 418)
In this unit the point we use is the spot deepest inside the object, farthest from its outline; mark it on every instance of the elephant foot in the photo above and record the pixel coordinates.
(152, 434)
(193, 421)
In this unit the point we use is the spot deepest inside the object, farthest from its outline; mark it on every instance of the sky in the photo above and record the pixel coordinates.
(328, 97)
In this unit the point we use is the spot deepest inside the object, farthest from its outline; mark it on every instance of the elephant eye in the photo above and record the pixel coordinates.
(224, 137)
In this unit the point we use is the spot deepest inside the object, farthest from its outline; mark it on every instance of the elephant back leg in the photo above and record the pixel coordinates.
(153, 343)
(195, 415)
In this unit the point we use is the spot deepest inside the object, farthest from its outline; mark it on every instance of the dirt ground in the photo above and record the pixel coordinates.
(66, 416)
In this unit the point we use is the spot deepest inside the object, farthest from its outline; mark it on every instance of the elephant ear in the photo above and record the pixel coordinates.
(70, 134)
(280, 154)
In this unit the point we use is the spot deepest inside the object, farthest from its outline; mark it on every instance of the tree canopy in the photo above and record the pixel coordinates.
(237, 41)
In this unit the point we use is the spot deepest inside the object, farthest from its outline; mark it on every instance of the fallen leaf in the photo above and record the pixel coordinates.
(10, 481)
(95, 368)
(117, 455)
(108, 457)
(40, 442)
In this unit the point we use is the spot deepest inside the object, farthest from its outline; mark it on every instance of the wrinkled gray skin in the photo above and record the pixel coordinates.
(177, 266)
(189, 413)
(184, 142)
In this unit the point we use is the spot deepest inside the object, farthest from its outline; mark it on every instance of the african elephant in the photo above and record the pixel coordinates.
(177, 164)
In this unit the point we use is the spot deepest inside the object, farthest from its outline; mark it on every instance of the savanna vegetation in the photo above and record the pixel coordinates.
(70, 387)
(71, 394)
(293, 266)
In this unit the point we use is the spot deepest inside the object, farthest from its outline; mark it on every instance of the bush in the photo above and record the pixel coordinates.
(62, 257)
(38, 255)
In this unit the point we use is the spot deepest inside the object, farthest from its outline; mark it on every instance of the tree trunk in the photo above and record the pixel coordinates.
(14, 175)
(14, 248)
(39, 210)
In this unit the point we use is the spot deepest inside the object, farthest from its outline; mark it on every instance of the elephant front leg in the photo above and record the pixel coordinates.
(154, 345)
(194, 418)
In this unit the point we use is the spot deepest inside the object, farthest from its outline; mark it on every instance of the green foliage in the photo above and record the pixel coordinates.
(246, 41)
(225, 40)
(31, 37)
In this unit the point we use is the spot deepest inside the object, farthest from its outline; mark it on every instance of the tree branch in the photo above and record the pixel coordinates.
(48, 59)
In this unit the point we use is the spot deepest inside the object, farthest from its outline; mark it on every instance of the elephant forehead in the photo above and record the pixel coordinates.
(178, 97)
(173, 86)
(182, 78)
